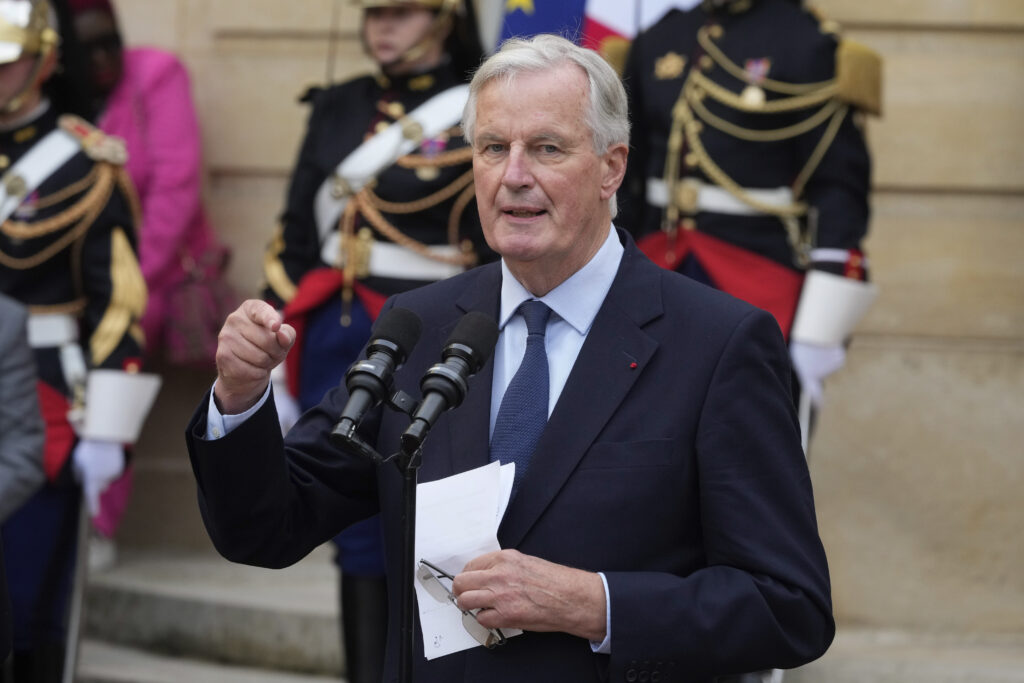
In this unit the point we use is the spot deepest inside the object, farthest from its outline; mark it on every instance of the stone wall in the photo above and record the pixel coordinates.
(918, 463)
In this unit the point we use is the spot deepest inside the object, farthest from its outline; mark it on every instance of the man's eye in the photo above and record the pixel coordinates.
(549, 149)
(495, 148)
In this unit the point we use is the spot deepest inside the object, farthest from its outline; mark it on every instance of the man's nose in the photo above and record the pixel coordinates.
(517, 173)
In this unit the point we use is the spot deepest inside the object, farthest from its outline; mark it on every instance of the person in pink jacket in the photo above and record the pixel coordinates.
(143, 96)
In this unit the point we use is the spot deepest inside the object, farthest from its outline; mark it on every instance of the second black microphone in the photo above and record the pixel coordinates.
(444, 385)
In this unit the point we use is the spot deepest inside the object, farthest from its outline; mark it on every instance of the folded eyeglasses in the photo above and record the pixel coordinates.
(429, 576)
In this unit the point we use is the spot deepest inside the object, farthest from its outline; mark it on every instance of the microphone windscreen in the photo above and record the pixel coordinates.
(401, 327)
(479, 332)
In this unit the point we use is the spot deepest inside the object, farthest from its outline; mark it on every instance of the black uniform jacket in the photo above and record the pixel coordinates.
(784, 42)
(342, 117)
(69, 248)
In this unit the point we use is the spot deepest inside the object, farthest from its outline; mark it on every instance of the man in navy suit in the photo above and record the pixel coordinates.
(664, 527)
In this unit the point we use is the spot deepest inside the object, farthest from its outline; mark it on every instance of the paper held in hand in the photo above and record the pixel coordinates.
(457, 520)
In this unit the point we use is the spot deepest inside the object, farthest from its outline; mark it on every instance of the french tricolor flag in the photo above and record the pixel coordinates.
(609, 25)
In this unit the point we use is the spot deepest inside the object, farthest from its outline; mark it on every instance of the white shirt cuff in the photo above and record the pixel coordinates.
(605, 646)
(219, 426)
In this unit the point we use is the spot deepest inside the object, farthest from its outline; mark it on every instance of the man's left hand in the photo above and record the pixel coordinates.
(513, 590)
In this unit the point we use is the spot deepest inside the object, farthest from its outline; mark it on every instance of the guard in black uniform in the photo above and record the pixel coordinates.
(750, 170)
(381, 200)
(67, 242)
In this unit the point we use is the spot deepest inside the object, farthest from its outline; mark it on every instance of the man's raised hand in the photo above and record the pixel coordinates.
(252, 342)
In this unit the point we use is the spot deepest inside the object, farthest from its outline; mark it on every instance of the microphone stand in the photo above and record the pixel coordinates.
(443, 387)
(408, 461)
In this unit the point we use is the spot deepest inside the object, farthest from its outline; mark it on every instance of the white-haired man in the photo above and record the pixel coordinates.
(662, 525)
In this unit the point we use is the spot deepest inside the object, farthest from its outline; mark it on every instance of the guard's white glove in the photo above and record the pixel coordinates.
(812, 364)
(96, 464)
(288, 410)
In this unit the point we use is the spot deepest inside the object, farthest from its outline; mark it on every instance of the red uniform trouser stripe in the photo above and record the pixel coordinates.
(60, 437)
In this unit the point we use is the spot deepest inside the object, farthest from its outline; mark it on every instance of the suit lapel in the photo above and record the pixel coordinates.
(613, 356)
(469, 424)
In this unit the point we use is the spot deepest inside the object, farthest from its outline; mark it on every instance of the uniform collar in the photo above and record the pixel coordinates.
(439, 78)
(729, 8)
(26, 132)
(28, 119)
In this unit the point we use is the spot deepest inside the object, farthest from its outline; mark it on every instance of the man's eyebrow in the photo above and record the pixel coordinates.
(548, 136)
(488, 137)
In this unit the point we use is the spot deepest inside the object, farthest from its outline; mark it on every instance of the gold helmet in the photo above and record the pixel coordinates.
(26, 28)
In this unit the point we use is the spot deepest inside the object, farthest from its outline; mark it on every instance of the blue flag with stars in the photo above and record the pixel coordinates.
(525, 18)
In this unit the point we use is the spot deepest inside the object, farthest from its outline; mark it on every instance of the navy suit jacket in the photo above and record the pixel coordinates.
(671, 462)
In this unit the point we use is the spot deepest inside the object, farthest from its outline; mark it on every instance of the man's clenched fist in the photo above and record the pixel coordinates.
(252, 342)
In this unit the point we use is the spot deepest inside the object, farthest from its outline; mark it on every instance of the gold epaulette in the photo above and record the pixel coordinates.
(859, 76)
(96, 144)
(615, 51)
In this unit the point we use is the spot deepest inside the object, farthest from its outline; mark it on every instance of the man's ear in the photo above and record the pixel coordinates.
(614, 169)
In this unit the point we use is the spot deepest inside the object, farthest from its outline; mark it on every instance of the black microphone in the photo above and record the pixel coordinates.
(444, 385)
(369, 381)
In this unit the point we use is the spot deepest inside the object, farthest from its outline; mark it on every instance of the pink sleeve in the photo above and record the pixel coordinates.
(171, 199)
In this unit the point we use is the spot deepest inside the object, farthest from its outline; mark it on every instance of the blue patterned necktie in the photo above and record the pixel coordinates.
(524, 407)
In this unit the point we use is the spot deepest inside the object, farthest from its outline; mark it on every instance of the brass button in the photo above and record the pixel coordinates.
(5, 161)
(411, 130)
(16, 186)
(716, 31)
(706, 63)
(686, 198)
(340, 188)
(428, 173)
(691, 160)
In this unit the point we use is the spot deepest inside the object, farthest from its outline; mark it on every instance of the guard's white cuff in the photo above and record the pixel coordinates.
(830, 308)
(117, 403)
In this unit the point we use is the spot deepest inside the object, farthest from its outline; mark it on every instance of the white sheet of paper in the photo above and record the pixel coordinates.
(457, 520)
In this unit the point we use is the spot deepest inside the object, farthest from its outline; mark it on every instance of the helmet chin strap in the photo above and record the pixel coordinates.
(431, 36)
(15, 102)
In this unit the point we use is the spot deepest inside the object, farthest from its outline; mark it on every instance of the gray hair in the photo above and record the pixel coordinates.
(607, 115)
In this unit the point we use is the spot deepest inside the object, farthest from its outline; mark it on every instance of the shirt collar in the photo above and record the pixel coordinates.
(576, 300)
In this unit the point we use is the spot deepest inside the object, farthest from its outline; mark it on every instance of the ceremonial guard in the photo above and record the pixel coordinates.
(67, 253)
(381, 200)
(750, 170)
